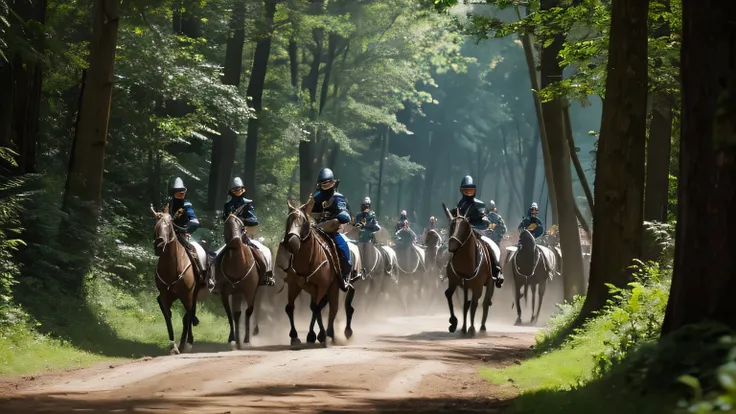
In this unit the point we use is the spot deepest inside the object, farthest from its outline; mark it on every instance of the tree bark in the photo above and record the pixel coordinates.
(255, 91)
(619, 190)
(575, 160)
(225, 145)
(381, 163)
(530, 170)
(307, 159)
(553, 114)
(658, 159)
(84, 179)
(703, 285)
(526, 42)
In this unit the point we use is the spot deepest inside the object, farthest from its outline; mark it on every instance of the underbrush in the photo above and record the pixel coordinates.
(109, 322)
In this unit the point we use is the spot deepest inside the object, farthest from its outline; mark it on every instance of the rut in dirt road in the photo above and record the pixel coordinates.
(404, 365)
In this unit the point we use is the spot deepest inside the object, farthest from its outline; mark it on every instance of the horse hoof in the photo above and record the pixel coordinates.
(518, 322)
(482, 328)
(452, 328)
(348, 333)
(174, 351)
(471, 331)
(245, 346)
(256, 331)
(295, 341)
(464, 330)
(312, 338)
(331, 333)
(322, 337)
(188, 348)
(233, 346)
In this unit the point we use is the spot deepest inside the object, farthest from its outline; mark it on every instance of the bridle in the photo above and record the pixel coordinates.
(453, 227)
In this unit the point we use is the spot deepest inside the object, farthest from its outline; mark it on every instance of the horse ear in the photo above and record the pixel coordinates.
(307, 208)
(447, 211)
(291, 206)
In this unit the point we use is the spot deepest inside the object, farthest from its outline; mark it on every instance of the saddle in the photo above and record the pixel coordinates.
(331, 250)
(192, 255)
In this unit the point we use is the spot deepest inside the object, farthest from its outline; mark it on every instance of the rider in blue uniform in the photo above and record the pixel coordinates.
(331, 210)
(532, 223)
(403, 224)
(471, 207)
(498, 227)
(366, 221)
(475, 211)
(247, 213)
(185, 222)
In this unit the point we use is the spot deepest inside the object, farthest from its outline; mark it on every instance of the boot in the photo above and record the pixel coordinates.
(498, 277)
(345, 269)
(211, 272)
(265, 275)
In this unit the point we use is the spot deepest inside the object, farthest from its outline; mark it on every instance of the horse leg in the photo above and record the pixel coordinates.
(452, 285)
(334, 301)
(517, 291)
(185, 321)
(487, 298)
(534, 301)
(317, 316)
(248, 313)
(349, 310)
(236, 297)
(229, 313)
(192, 318)
(312, 336)
(542, 290)
(473, 307)
(257, 305)
(466, 307)
(294, 290)
(166, 311)
(322, 337)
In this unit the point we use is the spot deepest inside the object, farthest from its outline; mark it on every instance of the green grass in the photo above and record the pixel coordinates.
(109, 324)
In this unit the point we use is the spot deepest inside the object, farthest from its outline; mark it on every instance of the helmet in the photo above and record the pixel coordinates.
(325, 175)
(236, 183)
(178, 186)
(534, 206)
(367, 201)
(432, 219)
(491, 205)
(467, 182)
(403, 212)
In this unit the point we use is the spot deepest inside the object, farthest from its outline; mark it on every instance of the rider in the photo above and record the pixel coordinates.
(403, 224)
(475, 211)
(366, 221)
(331, 210)
(532, 223)
(498, 227)
(432, 226)
(185, 223)
(248, 215)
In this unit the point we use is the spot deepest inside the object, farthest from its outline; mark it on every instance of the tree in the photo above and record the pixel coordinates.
(84, 178)
(619, 181)
(703, 285)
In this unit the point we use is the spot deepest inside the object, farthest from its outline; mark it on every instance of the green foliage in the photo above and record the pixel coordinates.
(557, 329)
(11, 197)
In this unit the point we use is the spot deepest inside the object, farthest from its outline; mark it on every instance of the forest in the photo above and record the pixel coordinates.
(614, 116)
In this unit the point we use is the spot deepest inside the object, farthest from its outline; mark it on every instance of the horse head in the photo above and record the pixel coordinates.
(233, 230)
(163, 230)
(460, 230)
(297, 225)
(433, 239)
(527, 241)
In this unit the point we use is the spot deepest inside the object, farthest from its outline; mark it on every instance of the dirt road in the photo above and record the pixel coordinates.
(403, 364)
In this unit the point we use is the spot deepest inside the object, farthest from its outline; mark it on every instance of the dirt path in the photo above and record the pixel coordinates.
(403, 364)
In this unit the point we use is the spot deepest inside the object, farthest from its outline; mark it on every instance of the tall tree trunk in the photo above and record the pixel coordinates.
(553, 113)
(307, 156)
(619, 179)
(530, 171)
(703, 285)
(429, 174)
(381, 164)
(658, 159)
(526, 43)
(255, 91)
(84, 178)
(224, 145)
(575, 160)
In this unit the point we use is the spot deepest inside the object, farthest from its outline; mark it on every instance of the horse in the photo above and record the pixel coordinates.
(240, 277)
(433, 241)
(176, 278)
(533, 265)
(379, 263)
(311, 267)
(473, 263)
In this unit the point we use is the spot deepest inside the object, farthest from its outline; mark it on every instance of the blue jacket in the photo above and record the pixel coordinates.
(247, 213)
(185, 219)
(527, 221)
(330, 205)
(475, 211)
(500, 227)
(368, 221)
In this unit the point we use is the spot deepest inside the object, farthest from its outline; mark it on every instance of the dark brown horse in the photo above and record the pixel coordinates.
(533, 266)
(312, 269)
(238, 267)
(175, 279)
(472, 266)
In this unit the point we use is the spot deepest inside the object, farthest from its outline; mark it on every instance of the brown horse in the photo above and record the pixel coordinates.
(472, 266)
(241, 280)
(311, 268)
(175, 279)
